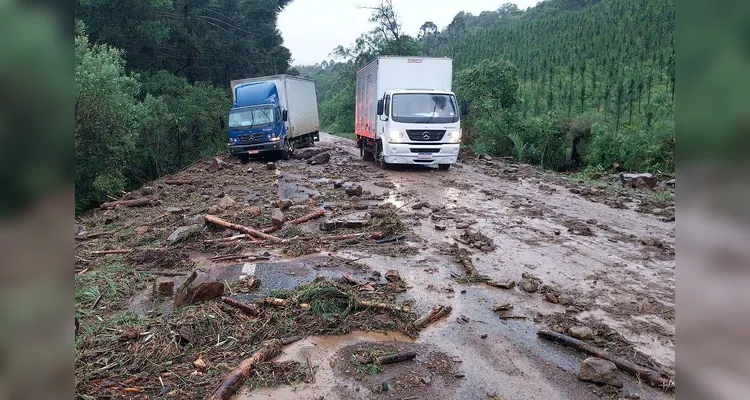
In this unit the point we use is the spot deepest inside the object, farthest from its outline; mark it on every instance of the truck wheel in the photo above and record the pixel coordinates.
(244, 158)
(288, 150)
(444, 167)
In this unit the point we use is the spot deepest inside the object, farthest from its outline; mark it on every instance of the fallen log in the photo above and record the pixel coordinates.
(651, 377)
(178, 182)
(231, 238)
(435, 314)
(142, 202)
(369, 235)
(375, 304)
(238, 376)
(308, 217)
(232, 257)
(270, 229)
(354, 281)
(394, 358)
(245, 307)
(275, 302)
(115, 251)
(94, 235)
(240, 228)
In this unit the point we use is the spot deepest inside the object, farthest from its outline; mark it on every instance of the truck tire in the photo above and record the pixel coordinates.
(444, 167)
(288, 150)
(367, 154)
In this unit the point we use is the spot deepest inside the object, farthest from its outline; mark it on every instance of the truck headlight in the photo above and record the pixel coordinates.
(275, 138)
(454, 136)
(232, 140)
(395, 136)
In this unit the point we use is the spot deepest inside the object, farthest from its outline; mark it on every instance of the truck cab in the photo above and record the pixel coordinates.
(418, 127)
(257, 121)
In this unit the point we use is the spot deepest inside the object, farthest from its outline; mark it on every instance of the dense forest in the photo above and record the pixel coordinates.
(569, 84)
(151, 84)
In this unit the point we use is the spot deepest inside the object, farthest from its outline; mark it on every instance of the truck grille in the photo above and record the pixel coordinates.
(417, 135)
(415, 150)
(249, 139)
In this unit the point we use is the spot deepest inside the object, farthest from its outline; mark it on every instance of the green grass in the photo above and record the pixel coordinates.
(346, 135)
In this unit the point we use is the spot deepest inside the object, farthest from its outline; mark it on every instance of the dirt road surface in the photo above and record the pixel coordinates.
(579, 255)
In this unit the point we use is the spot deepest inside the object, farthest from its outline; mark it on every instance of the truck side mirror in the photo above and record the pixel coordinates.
(285, 115)
(464, 107)
(380, 107)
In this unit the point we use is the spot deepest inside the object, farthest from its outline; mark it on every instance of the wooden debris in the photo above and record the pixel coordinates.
(375, 304)
(651, 377)
(94, 235)
(275, 302)
(233, 257)
(369, 235)
(502, 307)
(231, 238)
(468, 265)
(308, 217)
(245, 307)
(240, 228)
(509, 284)
(354, 281)
(394, 358)
(141, 202)
(115, 251)
(435, 314)
(238, 376)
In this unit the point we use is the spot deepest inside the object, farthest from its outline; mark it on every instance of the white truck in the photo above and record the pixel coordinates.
(406, 113)
(272, 114)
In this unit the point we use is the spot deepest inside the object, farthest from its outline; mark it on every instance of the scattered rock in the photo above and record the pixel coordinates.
(463, 225)
(483, 336)
(129, 334)
(385, 184)
(530, 286)
(392, 276)
(510, 170)
(183, 233)
(380, 213)
(308, 153)
(174, 210)
(80, 230)
(249, 169)
(270, 166)
(509, 284)
(147, 190)
(338, 184)
(200, 286)
(354, 190)
(319, 159)
(643, 180)
(600, 371)
(277, 218)
(141, 230)
(283, 204)
(185, 334)
(217, 164)
(386, 386)
(110, 217)
(214, 209)
(253, 211)
(440, 227)
(419, 205)
(564, 299)
(163, 287)
(502, 307)
(670, 183)
(226, 202)
(199, 364)
(551, 297)
(581, 332)
(425, 379)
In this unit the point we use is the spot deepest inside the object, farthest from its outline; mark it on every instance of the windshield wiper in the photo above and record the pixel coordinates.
(267, 117)
(433, 113)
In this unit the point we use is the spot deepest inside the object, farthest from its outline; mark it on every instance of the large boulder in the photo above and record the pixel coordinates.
(183, 233)
(600, 371)
(216, 165)
(277, 218)
(226, 202)
(308, 153)
(319, 159)
(199, 286)
(637, 181)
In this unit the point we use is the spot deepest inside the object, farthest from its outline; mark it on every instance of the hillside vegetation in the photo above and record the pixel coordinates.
(568, 84)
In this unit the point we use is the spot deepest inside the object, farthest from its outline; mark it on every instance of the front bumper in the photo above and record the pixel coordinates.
(420, 154)
(259, 147)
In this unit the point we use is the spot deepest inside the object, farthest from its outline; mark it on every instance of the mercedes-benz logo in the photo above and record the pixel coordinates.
(426, 136)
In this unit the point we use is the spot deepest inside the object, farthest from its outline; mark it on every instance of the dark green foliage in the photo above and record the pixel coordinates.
(206, 40)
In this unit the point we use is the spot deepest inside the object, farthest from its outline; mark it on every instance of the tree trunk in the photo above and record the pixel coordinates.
(127, 203)
(435, 314)
(240, 228)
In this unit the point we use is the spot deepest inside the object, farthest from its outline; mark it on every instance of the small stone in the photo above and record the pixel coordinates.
(174, 210)
(530, 286)
(253, 211)
(249, 169)
(440, 227)
(392, 276)
(141, 230)
(284, 204)
(319, 159)
(564, 299)
(277, 218)
(386, 386)
(483, 336)
(214, 209)
(216, 165)
(199, 364)
(551, 297)
(226, 202)
(419, 206)
(270, 166)
(581, 332)
(183, 233)
(129, 334)
(163, 287)
(185, 334)
(200, 286)
(110, 217)
(425, 380)
(509, 284)
(354, 190)
(598, 370)
(147, 190)
(463, 226)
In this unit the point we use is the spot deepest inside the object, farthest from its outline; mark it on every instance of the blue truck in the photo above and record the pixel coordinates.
(272, 115)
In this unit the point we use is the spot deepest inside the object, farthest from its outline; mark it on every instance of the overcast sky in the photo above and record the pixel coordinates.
(312, 28)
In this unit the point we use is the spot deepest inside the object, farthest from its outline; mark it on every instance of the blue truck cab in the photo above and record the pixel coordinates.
(272, 115)
(256, 120)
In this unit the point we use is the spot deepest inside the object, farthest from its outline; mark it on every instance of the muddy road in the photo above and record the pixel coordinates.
(573, 255)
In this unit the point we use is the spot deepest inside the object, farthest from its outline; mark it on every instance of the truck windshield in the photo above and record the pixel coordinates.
(251, 117)
(424, 108)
